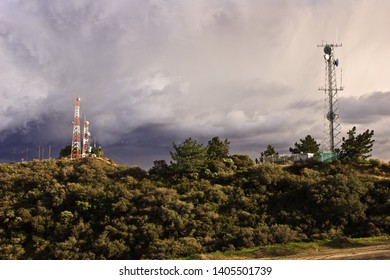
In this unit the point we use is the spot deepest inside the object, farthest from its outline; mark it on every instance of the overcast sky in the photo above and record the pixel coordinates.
(153, 72)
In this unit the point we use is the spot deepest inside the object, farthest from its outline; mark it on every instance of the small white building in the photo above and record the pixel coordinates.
(302, 156)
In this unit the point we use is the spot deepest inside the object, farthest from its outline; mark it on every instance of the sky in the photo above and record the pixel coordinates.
(153, 72)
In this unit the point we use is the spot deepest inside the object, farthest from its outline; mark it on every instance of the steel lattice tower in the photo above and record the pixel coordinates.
(86, 136)
(332, 125)
(76, 136)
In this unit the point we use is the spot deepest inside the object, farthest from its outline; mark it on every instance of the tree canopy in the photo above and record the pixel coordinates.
(268, 153)
(65, 152)
(189, 157)
(97, 151)
(218, 149)
(96, 209)
(356, 148)
(307, 145)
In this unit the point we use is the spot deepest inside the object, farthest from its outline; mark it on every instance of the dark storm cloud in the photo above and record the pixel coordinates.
(369, 111)
(153, 72)
(24, 142)
(365, 109)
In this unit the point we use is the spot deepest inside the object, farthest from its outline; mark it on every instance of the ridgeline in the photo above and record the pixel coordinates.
(96, 209)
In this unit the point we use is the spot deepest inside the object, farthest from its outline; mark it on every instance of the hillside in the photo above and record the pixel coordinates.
(96, 209)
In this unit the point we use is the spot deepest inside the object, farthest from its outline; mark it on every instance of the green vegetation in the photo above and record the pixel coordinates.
(204, 201)
(269, 152)
(304, 250)
(190, 158)
(66, 151)
(356, 148)
(97, 151)
(307, 145)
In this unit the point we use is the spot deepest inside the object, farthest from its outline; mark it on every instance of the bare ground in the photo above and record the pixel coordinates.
(338, 249)
(370, 252)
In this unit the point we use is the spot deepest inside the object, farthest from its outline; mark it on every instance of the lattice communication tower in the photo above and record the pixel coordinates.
(332, 122)
(76, 136)
(86, 139)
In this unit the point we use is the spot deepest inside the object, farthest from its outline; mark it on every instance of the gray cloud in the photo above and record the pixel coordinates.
(365, 109)
(168, 70)
(369, 111)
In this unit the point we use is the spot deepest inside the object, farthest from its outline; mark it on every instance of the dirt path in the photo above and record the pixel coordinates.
(340, 248)
(370, 252)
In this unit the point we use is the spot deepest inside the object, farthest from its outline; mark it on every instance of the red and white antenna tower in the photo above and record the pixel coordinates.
(86, 142)
(76, 144)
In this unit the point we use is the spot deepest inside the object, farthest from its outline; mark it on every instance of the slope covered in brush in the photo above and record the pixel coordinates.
(95, 209)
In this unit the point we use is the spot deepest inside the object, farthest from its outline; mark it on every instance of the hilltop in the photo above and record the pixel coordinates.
(97, 209)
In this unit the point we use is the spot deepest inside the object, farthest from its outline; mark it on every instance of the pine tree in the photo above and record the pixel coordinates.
(269, 153)
(190, 157)
(217, 149)
(307, 145)
(356, 148)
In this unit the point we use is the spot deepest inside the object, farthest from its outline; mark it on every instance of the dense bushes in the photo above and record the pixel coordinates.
(91, 209)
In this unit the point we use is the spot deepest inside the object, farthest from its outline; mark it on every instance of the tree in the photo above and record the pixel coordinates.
(270, 152)
(160, 170)
(65, 152)
(356, 148)
(307, 145)
(217, 149)
(98, 151)
(190, 157)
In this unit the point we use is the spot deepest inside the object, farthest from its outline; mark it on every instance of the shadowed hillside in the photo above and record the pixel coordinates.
(96, 209)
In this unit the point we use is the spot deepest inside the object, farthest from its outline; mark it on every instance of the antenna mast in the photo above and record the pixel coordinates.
(76, 144)
(86, 142)
(331, 96)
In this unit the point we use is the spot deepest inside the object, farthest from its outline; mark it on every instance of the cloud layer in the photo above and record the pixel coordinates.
(153, 72)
